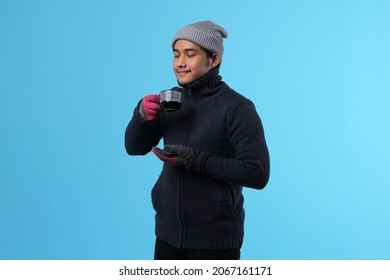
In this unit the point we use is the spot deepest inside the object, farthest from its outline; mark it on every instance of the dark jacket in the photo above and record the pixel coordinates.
(201, 206)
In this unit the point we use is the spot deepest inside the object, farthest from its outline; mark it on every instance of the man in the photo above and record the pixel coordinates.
(214, 145)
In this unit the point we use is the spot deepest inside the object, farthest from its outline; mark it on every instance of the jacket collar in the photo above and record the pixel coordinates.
(207, 84)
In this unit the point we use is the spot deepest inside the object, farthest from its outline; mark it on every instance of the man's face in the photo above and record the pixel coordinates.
(190, 62)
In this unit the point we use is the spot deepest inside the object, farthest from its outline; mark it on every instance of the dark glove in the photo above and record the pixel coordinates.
(174, 154)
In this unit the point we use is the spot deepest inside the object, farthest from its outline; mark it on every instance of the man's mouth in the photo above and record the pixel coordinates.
(182, 73)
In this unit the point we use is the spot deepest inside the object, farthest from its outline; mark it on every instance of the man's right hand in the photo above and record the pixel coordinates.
(150, 107)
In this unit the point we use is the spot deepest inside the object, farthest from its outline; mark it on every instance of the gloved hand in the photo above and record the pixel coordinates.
(150, 107)
(174, 154)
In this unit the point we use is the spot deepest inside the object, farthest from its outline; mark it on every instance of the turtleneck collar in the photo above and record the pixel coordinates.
(207, 84)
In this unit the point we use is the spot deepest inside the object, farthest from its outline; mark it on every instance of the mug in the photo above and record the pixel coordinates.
(170, 100)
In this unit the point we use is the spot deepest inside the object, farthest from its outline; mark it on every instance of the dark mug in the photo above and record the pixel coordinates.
(170, 100)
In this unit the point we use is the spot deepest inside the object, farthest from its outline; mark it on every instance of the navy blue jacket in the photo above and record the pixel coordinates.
(201, 206)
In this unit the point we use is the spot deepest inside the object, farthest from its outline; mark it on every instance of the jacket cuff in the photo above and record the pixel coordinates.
(197, 161)
(137, 116)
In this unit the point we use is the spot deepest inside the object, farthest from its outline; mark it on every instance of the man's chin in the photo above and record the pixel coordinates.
(183, 82)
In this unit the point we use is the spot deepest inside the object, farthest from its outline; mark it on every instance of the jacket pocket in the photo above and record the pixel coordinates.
(232, 200)
(227, 201)
(154, 195)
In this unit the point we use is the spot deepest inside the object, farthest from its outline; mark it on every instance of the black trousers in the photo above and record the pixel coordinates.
(164, 251)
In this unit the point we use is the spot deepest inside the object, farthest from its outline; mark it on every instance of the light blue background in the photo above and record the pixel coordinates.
(71, 73)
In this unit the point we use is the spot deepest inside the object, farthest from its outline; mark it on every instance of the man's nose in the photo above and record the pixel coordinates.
(181, 62)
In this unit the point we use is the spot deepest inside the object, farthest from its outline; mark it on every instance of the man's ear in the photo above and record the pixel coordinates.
(216, 60)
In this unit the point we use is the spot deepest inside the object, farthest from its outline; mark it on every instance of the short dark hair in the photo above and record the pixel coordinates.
(209, 55)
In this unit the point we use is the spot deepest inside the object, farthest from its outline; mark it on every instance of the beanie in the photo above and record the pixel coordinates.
(206, 34)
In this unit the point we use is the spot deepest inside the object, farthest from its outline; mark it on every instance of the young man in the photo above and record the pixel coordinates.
(214, 145)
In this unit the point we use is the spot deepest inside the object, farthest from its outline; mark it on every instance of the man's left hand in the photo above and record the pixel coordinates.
(174, 154)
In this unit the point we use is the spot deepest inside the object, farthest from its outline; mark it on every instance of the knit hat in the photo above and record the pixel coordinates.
(206, 34)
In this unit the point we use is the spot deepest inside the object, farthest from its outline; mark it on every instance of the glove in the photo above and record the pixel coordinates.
(150, 107)
(174, 154)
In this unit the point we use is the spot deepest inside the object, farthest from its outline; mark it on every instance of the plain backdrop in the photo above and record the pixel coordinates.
(71, 73)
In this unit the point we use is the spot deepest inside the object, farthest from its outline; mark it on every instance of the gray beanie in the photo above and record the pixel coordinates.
(206, 34)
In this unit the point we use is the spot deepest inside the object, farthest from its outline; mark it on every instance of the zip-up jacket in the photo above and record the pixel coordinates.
(201, 206)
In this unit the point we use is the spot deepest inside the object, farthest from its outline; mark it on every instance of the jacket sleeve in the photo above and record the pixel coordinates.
(141, 135)
(251, 165)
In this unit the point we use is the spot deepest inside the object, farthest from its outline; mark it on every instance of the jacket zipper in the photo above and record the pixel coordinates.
(192, 108)
(181, 186)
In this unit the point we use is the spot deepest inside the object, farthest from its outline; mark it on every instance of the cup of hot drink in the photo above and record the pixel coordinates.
(170, 100)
